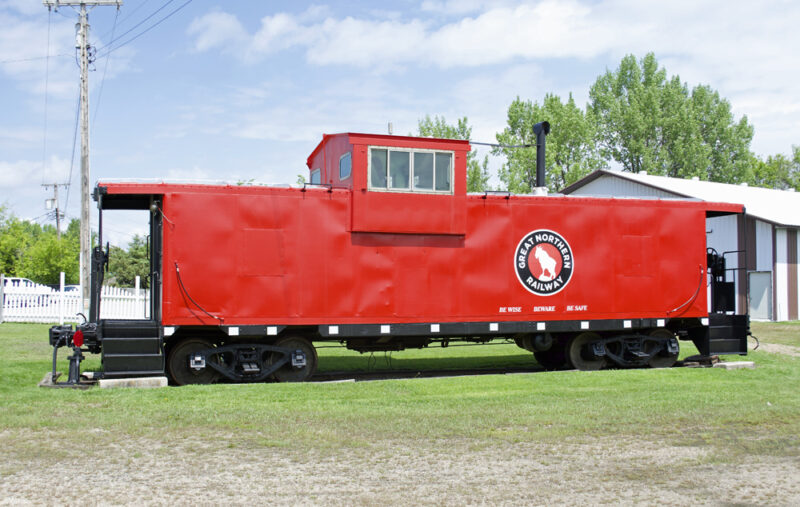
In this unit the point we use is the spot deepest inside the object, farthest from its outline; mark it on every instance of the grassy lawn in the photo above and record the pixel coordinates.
(680, 436)
(738, 412)
(783, 333)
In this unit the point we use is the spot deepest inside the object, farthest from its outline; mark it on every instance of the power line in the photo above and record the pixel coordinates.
(145, 30)
(46, 83)
(495, 145)
(34, 58)
(105, 69)
(137, 25)
(74, 144)
(126, 17)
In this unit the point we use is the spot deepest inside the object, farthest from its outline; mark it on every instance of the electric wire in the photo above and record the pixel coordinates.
(111, 49)
(34, 58)
(74, 144)
(128, 16)
(105, 69)
(46, 84)
(496, 145)
(137, 25)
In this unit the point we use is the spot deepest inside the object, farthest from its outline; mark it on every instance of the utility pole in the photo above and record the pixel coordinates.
(86, 52)
(54, 204)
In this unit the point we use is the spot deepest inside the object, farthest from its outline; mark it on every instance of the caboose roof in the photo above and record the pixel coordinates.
(392, 140)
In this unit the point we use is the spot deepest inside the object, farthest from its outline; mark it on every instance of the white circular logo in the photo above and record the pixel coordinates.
(543, 262)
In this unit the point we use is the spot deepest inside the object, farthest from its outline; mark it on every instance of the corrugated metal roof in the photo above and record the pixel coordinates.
(778, 206)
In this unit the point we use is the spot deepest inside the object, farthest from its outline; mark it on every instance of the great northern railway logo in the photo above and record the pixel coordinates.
(543, 262)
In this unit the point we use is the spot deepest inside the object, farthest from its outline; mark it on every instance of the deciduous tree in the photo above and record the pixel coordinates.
(477, 172)
(778, 171)
(125, 265)
(571, 150)
(649, 122)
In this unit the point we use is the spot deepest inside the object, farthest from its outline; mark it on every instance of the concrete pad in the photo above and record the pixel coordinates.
(737, 365)
(143, 382)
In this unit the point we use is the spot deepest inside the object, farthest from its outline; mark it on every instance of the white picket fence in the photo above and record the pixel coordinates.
(44, 304)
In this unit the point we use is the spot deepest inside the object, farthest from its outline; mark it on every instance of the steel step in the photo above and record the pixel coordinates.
(132, 345)
(127, 363)
(129, 328)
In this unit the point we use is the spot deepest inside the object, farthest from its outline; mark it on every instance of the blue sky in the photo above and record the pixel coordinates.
(245, 90)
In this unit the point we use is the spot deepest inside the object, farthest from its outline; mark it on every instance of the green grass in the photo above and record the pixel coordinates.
(784, 333)
(740, 412)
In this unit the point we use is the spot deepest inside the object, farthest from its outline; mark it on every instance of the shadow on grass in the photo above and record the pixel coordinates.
(426, 363)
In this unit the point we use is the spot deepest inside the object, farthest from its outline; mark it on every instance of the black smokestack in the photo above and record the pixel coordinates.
(541, 130)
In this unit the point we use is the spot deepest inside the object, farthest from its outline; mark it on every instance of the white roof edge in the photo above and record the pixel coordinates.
(780, 207)
(190, 181)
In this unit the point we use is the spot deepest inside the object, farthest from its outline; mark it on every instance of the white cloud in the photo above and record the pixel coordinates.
(216, 29)
(545, 30)
(20, 136)
(22, 172)
(459, 7)
(22, 6)
(23, 46)
(746, 52)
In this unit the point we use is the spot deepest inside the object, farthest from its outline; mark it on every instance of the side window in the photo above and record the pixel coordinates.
(423, 171)
(399, 169)
(345, 165)
(316, 177)
(443, 171)
(377, 171)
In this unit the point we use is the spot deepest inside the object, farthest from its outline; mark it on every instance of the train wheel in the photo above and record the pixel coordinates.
(553, 359)
(658, 360)
(580, 357)
(178, 363)
(289, 373)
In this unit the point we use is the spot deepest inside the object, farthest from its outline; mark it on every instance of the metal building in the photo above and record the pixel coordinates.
(764, 244)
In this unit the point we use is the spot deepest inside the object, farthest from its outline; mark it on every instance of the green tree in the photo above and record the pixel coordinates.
(477, 172)
(648, 122)
(16, 237)
(29, 250)
(49, 256)
(778, 171)
(125, 265)
(571, 151)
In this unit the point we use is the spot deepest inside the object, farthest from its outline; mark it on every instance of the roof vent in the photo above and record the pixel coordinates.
(790, 189)
(695, 178)
(743, 184)
(643, 172)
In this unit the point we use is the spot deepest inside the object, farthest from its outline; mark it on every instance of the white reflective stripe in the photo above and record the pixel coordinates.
(540, 326)
(585, 324)
(660, 322)
(272, 330)
(626, 323)
(333, 329)
(169, 331)
(434, 328)
(233, 331)
(494, 326)
(385, 329)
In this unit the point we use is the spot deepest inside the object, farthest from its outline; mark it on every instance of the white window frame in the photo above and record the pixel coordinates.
(348, 154)
(311, 176)
(411, 189)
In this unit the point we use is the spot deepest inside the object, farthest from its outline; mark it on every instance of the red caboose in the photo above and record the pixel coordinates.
(384, 250)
